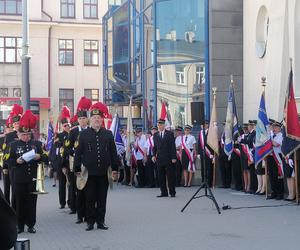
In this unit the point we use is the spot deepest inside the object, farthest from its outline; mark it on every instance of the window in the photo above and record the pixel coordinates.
(10, 7)
(114, 2)
(67, 8)
(91, 49)
(200, 78)
(90, 8)
(10, 49)
(3, 92)
(92, 94)
(66, 97)
(160, 77)
(16, 92)
(66, 52)
(180, 79)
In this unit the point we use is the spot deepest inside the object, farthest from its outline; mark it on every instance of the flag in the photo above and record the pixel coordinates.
(164, 115)
(231, 124)
(289, 145)
(212, 136)
(50, 137)
(263, 142)
(115, 129)
(291, 114)
(56, 131)
(130, 135)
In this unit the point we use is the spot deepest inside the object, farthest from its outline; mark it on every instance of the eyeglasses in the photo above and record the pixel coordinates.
(66, 125)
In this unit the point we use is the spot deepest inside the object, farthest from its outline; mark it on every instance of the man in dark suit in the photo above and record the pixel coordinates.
(164, 154)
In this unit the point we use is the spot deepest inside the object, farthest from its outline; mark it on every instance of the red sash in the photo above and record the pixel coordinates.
(191, 166)
(278, 163)
(237, 151)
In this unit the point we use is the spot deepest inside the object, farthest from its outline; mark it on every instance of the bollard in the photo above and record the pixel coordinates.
(22, 244)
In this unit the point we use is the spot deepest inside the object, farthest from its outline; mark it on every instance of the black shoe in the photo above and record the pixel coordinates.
(279, 197)
(54, 185)
(271, 196)
(162, 195)
(288, 199)
(102, 226)
(79, 221)
(173, 195)
(72, 212)
(89, 227)
(62, 207)
(31, 230)
(20, 230)
(263, 193)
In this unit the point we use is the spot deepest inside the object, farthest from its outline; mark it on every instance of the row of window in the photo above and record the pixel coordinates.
(11, 51)
(67, 8)
(66, 96)
(180, 76)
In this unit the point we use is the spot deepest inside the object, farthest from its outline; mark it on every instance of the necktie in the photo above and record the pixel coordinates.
(186, 139)
(161, 135)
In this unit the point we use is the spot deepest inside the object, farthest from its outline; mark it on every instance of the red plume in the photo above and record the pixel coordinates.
(28, 120)
(17, 110)
(101, 107)
(74, 119)
(65, 113)
(84, 104)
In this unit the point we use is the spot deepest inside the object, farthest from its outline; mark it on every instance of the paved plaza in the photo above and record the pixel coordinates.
(138, 220)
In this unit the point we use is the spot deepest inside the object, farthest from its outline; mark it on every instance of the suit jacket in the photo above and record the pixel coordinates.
(164, 148)
(9, 138)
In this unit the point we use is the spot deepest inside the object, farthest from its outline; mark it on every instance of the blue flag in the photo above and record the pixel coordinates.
(115, 129)
(50, 137)
(263, 142)
(231, 125)
(289, 145)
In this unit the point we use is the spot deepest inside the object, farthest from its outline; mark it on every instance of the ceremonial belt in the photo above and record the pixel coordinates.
(189, 154)
(207, 151)
(279, 163)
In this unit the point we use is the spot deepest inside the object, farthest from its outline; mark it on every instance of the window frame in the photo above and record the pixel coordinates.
(63, 100)
(91, 96)
(16, 48)
(65, 50)
(4, 90)
(67, 4)
(160, 71)
(181, 74)
(90, 7)
(91, 50)
(11, 14)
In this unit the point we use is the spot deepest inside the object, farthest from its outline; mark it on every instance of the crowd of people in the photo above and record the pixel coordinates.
(163, 158)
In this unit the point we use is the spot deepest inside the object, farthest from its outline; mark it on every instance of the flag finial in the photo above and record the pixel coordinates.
(263, 81)
(214, 89)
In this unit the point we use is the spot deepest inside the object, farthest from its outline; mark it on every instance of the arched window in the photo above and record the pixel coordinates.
(262, 27)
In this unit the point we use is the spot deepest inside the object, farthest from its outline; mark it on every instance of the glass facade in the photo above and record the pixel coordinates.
(155, 51)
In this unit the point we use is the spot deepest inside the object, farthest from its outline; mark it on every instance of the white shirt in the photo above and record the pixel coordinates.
(278, 138)
(148, 145)
(189, 141)
(178, 141)
(141, 143)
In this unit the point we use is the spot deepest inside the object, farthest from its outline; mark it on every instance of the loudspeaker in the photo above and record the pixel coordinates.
(197, 113)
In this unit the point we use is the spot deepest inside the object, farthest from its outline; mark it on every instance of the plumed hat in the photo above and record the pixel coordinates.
(99, 109)
(83, 106)
(16, 112)
(27, 122)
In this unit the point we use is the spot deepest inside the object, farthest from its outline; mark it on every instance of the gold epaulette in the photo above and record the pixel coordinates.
(4, 146)
(67, 143)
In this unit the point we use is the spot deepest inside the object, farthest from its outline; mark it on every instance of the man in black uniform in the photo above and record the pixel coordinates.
(25, 172)
(63, 166)
(164, 155)
(96, 150)
(8, 170)
(82, 113)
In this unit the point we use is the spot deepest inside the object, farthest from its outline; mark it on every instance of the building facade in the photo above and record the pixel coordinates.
(173, 52)
(271, 39)
(65, 39)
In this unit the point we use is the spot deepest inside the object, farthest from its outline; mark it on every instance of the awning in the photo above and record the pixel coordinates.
(43, 101)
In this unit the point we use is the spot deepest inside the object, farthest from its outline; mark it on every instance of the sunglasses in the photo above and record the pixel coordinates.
(66, 125)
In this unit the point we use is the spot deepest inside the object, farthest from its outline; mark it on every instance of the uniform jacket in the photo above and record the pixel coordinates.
(96, 151)
(26, 172)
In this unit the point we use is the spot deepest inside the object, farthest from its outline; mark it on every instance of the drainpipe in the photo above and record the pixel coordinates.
(49, 46)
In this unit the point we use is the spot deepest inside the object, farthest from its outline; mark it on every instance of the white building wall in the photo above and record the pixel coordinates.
(275, 64)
